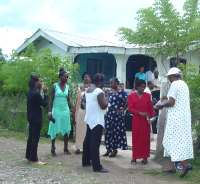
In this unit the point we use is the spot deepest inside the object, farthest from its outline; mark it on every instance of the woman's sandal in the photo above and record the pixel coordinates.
(133, 162)
(144, 162)
(113, 153)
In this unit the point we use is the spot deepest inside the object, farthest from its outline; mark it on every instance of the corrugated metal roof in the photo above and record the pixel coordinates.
(79, 41)
(65, 40)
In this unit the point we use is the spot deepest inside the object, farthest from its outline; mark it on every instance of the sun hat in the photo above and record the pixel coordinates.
(173, 71)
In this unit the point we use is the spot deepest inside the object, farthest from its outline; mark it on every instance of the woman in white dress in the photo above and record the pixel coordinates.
(177, 141)
(80, 114)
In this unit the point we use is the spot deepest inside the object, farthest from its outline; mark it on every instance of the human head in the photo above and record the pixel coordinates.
(34, 82)
(140, 86)
(156, 73)
(63, 75)
(114, 83)
(141, 69)
(121, 86)
(174, 74)
(86, 78)
(98, 80)
(150, 85)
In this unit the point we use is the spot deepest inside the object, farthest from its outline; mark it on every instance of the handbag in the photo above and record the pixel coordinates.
(83, 102)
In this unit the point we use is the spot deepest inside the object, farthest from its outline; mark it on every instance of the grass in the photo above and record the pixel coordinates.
(22, 136)
(192, 178)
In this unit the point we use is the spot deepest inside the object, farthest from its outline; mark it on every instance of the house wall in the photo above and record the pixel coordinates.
(43, 43)
(193, 57)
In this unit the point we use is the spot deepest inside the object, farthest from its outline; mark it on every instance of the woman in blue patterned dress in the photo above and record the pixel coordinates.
(115, 129)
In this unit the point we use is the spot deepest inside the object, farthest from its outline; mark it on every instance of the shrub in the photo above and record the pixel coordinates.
(14, 76)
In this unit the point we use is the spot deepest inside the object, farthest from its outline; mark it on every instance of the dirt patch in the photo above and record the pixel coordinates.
(66, 169)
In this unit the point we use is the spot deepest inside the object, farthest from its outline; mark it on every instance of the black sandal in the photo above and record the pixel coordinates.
(144, 162)
(133, 161)
(113, 153)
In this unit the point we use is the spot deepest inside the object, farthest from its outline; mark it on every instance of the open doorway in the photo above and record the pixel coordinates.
(134, 63)
(93, 63)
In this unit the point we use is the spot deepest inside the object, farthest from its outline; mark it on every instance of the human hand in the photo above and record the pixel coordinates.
(45, 89)
(144, 114)
(158, 106)
(50, 117)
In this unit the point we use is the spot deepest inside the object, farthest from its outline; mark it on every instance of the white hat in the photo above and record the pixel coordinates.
(173, 71)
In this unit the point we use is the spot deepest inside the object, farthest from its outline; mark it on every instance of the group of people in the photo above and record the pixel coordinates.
(99, 111)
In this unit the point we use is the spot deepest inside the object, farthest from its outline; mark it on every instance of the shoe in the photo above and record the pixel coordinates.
(144, 162)
(38, 163)
(41, 163)
(78, 151)
(53, 152)
(133, 162)
(102, 171)
(106, 154)
(185, 171)
(113, 153)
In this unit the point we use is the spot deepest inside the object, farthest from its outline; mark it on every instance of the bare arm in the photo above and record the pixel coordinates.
(166, 103)
(102, 101)
(51, 99)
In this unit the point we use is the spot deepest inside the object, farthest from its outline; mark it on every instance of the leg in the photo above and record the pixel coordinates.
(86, 159)
(29, 143)
(66, 138)
(36, 127)
(95, 142)
(53, 147)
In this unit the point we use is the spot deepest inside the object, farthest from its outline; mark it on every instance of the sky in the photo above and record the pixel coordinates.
(19, 19)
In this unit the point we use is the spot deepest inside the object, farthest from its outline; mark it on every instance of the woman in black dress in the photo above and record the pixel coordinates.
(36, 98)
(115, 129)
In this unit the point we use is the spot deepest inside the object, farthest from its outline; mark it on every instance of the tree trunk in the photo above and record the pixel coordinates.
(165, 162)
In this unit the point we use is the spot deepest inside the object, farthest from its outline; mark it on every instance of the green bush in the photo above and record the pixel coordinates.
(192, 77)
(14, 76)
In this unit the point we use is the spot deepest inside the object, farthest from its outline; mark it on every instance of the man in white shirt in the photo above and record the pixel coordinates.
(96, 105)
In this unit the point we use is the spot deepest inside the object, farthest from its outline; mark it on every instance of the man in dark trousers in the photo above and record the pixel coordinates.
(36, 98)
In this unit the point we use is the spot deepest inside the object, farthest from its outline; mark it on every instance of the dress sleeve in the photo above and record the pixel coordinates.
(150, 108)
(173, 91)
(131, 107)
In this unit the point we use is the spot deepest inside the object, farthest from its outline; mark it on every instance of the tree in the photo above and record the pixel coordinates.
(168, 33)
(2, 58)
(164, 28)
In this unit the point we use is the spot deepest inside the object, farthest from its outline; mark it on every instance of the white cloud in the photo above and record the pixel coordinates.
(11, 38)
(95, 18)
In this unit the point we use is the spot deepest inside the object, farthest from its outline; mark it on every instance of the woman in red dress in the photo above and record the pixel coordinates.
(140, 105)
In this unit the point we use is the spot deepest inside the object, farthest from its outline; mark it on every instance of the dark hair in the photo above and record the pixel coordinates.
(98, 78)
(33, 79)
(84, 74)
(139, 82)
(115, 79)
(62, 72)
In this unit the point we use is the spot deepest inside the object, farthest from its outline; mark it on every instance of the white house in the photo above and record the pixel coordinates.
(95, 55)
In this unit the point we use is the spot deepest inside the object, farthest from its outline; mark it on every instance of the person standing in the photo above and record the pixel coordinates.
(140, 76)
(34, 116)
(59, 112)
(140, 105)
(96, 105)
(80, 113)
(177, 141)
(115, 129)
